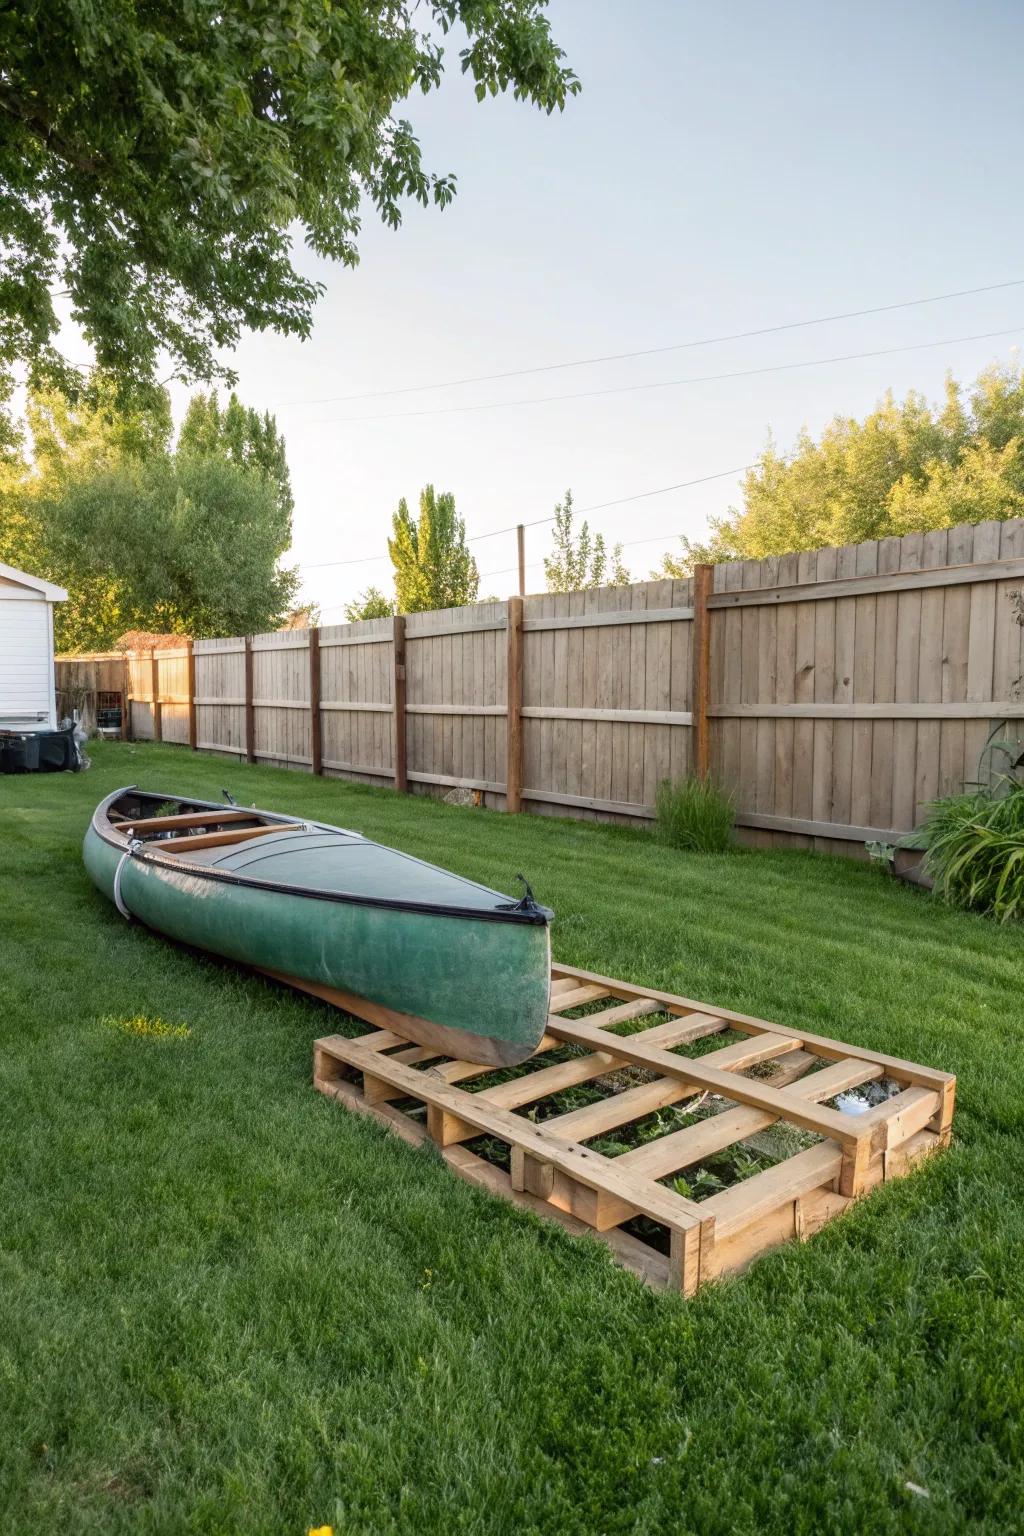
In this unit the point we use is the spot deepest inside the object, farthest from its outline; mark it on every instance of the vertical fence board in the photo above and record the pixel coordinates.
(514, 690)
(926, 776)
(826, 569)
(908, 650)
(884, 690)
(398, 691)
(842, 689)
(573, 694)
(685, 675)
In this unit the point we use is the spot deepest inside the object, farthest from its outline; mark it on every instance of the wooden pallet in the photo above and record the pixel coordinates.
(768, 1074)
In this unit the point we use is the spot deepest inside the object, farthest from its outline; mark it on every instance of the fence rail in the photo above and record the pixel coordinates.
(832, 692)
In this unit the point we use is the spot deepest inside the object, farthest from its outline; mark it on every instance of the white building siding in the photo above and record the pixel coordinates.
(26, 660)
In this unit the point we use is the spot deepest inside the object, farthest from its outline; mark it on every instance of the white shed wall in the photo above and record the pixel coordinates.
(27, 694)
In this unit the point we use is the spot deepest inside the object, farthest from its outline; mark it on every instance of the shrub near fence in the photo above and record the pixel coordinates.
(831, 693)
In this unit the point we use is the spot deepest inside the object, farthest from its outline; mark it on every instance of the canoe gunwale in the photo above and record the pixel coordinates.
(101, 826)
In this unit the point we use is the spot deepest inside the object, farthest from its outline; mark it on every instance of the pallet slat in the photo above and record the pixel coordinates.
(682, 1149)
(736, 1208)
(777, 1100)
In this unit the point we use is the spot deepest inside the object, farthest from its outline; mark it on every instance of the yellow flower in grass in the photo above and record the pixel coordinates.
(150, 1029)
(320, 1530)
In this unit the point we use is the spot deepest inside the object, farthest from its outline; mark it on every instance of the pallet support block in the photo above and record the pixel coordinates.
(766, 1075)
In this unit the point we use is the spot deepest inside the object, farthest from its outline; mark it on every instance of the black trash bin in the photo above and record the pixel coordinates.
(57, 750)
(19, 754)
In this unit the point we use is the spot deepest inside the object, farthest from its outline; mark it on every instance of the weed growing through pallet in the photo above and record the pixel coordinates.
(719, 1172)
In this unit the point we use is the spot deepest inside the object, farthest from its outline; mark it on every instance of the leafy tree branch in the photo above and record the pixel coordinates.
(909, 466)
(156, 160)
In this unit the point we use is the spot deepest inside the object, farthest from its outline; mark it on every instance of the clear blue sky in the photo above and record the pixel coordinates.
(725, 167)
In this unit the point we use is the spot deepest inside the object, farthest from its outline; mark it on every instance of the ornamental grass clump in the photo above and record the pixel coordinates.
(694, 813)
(975, 851)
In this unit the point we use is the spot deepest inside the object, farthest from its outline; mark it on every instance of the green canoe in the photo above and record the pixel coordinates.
(445, 962)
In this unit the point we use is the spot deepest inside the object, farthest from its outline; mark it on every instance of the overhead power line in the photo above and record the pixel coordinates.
(704, 378)
(509, 570)
(681, 485)
(618, 501)
(322, 565)
(475, 539)
(676, 346)
(654, 538)
(538, 522)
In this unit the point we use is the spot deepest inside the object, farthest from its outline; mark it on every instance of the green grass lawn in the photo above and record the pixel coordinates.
(228, 1306)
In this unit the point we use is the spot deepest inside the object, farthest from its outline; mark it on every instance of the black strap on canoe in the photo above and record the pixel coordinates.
(526, 903)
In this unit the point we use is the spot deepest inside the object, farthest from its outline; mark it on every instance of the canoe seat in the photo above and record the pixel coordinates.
(220, 839)
(143, 825)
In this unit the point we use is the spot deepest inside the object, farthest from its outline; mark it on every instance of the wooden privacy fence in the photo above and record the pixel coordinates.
(833, 693)
(91, 686)
(851, 686)
(578, 701)
(159, 688)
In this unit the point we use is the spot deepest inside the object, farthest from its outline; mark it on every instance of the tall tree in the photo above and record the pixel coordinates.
(143, 537)
(433, 565)
(180, 544)
(240, 434)
(157, 159)
(908, 466)
(580, 560)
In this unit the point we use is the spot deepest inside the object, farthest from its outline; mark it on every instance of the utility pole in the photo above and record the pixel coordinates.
(521, 549)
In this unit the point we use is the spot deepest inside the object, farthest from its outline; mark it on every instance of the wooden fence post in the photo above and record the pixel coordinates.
(250, 712)
(193, 735)
(398, 646)
(703, 580)
(315, 738)
(154, 693)
(514, 705)
(126, 700)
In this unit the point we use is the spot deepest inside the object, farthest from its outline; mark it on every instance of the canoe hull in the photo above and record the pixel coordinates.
(484, 984)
